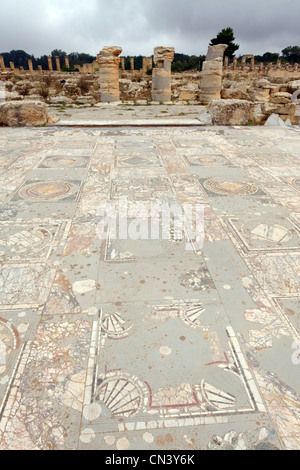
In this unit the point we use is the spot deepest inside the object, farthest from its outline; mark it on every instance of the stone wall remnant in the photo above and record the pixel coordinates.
(109, 62)
(212, 73)
(67, 62)
(161, 74)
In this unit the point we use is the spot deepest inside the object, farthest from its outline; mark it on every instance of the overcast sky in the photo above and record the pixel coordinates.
(39, 26)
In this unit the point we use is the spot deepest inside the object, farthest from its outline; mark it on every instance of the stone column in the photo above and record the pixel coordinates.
(278, 65)
(12, 66)
(109, 63)
(57, 62)
(50, 64)
(226, 63)
(122, 63)
(261, 67)
(2, 64)
(252, 64)
(67, 62)
(161, 74)
(234, 63)
(40, 68)
(132, 64)
(243, 65)
(30, 66)
(212, 73)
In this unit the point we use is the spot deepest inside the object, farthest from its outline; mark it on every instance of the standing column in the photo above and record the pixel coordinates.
(57, 62)
(30, 66)
(2, 64)
(252, 64)
(40, 68)
(67, 62)
(109, 73)
(212, 73)
(50, 64)
(278, 65)
(122, 63)
(12, 66)
(161, 74)
(226, 63)
(234, 64)
(132, 64)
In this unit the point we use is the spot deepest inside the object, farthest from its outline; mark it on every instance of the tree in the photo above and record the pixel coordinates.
(226, 36)
(291, 53)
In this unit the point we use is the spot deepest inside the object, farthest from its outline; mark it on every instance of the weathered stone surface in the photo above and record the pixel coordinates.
(111, 50)
(188, 92)
(259, 94)
(23, 113)
(281, 98)
(235, 93)
(216, 52)
(284, 109)
(230, 112)
(212, 73)
(109, 73)
(161, 74)
(163, 53)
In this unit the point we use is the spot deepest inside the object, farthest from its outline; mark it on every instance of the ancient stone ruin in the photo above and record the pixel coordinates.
(161, 74)
(212, 73)
(109, 63)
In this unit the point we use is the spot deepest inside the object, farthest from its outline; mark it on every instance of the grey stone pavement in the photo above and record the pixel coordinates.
(112, 343)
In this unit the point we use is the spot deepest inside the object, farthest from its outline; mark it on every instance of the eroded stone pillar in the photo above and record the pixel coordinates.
(12, 66)
(278, 65)
(50, 64)
(30, 66)
(234, 63)
(122, 63)
(252, 64)
(226, 63)
(132, 64)
(67, 62)
(212, 73)
(2, 64)
(40, 68)
(161, 74)
(57, 62)
(261, 67)
(109, 63)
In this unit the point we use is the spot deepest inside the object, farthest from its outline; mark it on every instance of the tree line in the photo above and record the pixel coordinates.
(182, 62)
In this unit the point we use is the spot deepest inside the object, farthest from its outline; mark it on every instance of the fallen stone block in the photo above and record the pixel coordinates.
(23, 113)
(230, 112)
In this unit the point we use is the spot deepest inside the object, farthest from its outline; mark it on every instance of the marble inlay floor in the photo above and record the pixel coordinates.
(123, 344)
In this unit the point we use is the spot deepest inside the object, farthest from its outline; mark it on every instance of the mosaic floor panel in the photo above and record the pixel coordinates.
(130, 343)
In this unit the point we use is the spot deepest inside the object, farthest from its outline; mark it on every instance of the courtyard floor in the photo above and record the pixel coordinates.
(112, 343)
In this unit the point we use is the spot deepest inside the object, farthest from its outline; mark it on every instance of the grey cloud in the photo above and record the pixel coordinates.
(139, 25)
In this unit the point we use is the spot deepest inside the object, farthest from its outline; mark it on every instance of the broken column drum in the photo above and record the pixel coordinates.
(161, 74)
(212, 73)
(109, 63)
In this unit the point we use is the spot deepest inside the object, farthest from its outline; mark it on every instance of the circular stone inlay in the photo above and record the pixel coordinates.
(228, 188)
(46, 191)
(62, 162)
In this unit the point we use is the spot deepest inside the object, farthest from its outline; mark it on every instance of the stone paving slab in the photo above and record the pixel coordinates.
(113, 343)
